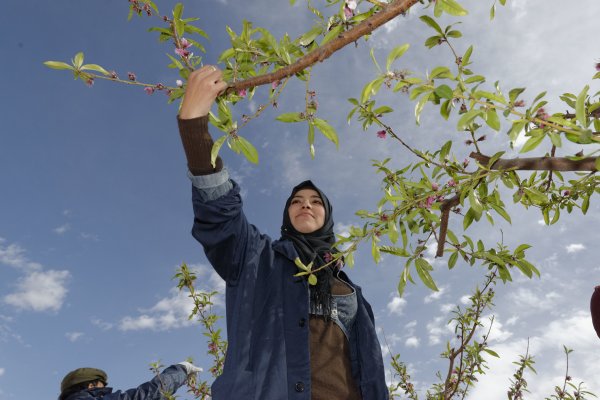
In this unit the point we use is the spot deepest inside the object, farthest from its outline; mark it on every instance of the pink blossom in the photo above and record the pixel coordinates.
(182, 52)
(159, 86)
(131, 76)
(274, 84)
(429, 202)
(466, 162)
(184, 43)
(89, 82)
(348, 13)
(519, 103)
(435, 187)
(113, 75)
(149, 90)
(242, 93)
(179, 83)
(598, 66)
(327, 257)
(381, 134)
(212, 347)
(451, 183)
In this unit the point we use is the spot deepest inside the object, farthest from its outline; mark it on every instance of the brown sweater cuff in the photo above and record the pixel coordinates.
(197, 144)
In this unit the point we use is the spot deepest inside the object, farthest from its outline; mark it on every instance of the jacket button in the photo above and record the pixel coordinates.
(299, 387)
(302, 322)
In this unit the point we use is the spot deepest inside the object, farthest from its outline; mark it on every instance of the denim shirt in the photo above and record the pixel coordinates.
(267, 309)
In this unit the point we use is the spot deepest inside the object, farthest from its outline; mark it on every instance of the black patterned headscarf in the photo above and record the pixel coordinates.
(314, 247)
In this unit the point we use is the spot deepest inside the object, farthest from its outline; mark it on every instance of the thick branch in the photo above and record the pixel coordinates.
(538, 163)
(387, 13)
(445, 208)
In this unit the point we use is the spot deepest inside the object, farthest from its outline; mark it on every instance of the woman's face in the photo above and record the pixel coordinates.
(306, 211)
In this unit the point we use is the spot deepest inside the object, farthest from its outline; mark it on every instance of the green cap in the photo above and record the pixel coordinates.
(81, 375)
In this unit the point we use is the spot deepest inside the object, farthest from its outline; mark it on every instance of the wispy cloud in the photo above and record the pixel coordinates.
(73, 336)
(2, 370)
(434, 295)
(105, 326)
(172, 312)
(60, 230)
(37, 290)
(575, 247)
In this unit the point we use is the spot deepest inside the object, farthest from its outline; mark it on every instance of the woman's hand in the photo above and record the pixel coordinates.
(203, 87)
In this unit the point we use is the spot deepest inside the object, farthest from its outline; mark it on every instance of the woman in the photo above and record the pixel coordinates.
(286, 340)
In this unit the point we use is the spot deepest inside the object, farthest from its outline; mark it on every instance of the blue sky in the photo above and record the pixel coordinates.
(95, 203)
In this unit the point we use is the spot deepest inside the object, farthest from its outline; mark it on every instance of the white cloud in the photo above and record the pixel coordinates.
(62, 229)
(2, 370)
(172, 312)
(575, 247)
(497, 334)
(527, 299)
(573, 331)
(105, 326)
(396, 305)
(413, 342)
(73, 336)
(434, 295)
(89, 236)
(14, 255)
(40, 291)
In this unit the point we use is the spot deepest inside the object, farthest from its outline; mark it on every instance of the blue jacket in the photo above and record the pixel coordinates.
(168, 381)
(267, 310)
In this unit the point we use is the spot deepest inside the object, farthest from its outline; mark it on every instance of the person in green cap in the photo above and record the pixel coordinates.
(91, 384)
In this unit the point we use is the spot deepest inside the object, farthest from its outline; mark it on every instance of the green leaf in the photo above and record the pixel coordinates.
(300, 264)
(580, 106)
(312, 279)
(248, 149)
(431, 22)
(327, 130)
(490, 96)
(597, 163)
(177, 10)
(444, 91)
(423, 268)
(310, 36)
(452, 7)
(531, 143)
(214, 152)
(290, 117)
(467, 118)
(492, 119)
(419, 107)
(78, 60)
(375, 251)
(397, 251)
(491, 353)
(94, 67)
(452, 260)
(57, 65)
(395, 54)
(501, 212)
(404, 277)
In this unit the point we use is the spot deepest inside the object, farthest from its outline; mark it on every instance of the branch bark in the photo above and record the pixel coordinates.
(388, 12)
(538, 163)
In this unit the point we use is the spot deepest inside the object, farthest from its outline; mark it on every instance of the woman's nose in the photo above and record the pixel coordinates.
(306, 204)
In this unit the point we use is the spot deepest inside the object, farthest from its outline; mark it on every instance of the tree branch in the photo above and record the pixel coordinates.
(387, 13)
(538, 163)
(445, 208)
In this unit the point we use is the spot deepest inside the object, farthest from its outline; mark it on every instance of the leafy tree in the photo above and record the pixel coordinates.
(418, 200)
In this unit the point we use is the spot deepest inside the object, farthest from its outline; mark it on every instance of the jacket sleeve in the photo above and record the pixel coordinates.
(229, 240)
(168, 381)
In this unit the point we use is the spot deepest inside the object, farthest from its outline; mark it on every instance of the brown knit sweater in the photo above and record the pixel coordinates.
(331, 373)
